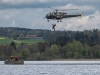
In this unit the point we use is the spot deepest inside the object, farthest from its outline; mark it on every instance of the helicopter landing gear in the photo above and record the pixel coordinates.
(60, 21)
(48, 20)
(57, 21)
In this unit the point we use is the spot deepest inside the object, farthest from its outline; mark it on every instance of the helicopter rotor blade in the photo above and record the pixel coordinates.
(52, 8)
(62, 9)
(68, 9)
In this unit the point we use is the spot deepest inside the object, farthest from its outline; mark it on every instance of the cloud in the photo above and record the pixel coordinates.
(13, 24)
(18, 4)
(17, 1)
(31, 13)
(87, 22)
(86, 9)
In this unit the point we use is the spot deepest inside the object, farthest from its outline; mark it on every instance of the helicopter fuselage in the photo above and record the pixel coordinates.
(59, 15)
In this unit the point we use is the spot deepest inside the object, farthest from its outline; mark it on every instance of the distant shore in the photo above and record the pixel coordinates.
(75, 60)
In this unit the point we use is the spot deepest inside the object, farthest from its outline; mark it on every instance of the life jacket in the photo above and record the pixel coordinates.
(16, 58)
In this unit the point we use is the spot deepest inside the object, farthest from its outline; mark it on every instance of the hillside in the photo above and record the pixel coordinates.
(6, 40)
(53, 45)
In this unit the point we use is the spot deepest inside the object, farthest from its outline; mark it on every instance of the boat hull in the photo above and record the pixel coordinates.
(11, 61)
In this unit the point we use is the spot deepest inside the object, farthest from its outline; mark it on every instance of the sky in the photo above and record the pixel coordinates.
(31, 14)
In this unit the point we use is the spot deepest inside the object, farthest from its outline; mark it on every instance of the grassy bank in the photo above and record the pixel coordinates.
(6, 40)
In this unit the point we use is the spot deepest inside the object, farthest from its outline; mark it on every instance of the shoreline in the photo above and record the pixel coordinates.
(65, 60)
(75, 59)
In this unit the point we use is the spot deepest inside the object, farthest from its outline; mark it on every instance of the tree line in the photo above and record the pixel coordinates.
(57, 45)
(43, 51)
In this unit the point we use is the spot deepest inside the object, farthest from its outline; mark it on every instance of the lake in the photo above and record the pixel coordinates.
(52, 68)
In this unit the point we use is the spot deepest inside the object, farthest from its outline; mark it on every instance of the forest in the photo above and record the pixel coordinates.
(57, 45)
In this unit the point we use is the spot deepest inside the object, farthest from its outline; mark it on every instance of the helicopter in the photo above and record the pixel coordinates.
(59, 15)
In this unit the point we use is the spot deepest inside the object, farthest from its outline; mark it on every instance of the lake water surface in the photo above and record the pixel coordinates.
(52, 68)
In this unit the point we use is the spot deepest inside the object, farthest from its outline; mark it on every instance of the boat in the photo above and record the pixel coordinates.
(12, 61)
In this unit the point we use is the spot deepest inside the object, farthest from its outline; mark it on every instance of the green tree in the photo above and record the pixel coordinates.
(12, 44)
(75, 49)
(79, 49)
(87, 51)
(41, 46)
(55, 50)
(25, 53)
(21, 37)
(97, 53)
(14, 35)
(70, 50)
(62, 51)
(40, 56)
(2, 56)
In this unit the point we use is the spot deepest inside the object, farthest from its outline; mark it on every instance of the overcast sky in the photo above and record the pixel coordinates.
(31, 13)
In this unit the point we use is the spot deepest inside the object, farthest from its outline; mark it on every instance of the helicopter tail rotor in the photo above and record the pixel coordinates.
(80, 15)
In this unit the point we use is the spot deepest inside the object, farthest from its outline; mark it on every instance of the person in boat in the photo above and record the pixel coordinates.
(53, 26)
(11, 57)
(16, 58)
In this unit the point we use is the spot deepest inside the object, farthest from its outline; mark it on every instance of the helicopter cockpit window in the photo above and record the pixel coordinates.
(58, 14)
